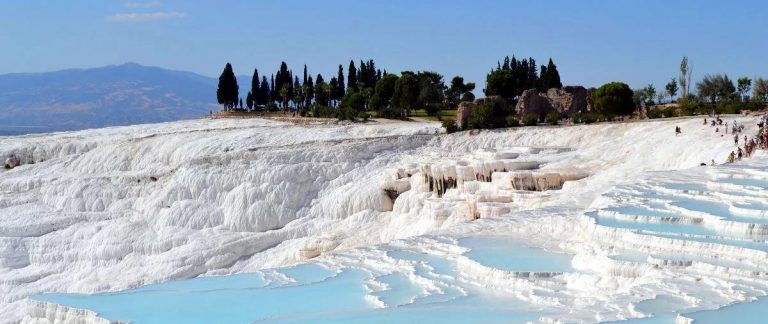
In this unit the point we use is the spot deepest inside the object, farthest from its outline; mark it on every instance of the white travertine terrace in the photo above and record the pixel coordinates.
(116, 208)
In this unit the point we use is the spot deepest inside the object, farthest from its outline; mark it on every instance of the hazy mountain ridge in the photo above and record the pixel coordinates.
(112, 95)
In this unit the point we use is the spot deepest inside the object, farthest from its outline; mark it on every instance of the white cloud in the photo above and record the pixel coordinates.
(149, 16)
(150, 4)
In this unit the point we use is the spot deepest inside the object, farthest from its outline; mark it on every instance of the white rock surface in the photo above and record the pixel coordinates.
(115, 208)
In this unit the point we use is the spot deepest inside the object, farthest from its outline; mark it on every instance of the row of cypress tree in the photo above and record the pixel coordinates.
(286, 89)
(511, 78)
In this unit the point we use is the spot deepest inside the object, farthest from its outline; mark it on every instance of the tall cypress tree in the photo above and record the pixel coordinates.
(333, 89)
(362, 75)
(289, 82)
(309, 91)
(352, 76)
(249, 100)
(272, 94)
(532, 76)
(227, 91)
(305, 74)
(543, 83)
(263, 97)
(255, 84)
(298, 94)
(553, 75)
(340, 79)
(321, 91)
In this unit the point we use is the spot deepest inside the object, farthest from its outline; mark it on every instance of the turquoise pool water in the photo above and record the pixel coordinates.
(514, 255)
(232, 299)
(752, 312)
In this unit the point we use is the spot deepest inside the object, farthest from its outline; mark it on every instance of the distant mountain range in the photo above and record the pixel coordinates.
(106, 96)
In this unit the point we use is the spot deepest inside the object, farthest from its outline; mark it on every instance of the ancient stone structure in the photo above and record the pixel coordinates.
(569, 99)
(462, 115)
(533, 102)
(492, 100)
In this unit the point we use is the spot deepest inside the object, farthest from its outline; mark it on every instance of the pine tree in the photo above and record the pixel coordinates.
(352, 76)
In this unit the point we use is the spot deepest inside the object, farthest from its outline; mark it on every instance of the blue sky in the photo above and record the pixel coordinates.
(592, 42)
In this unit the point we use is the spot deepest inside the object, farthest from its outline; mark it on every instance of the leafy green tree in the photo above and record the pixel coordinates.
(613, 98)
(760, 90)
(469, 96)
(431, 91)
(671, 88)
(715, 88)
(501, 83)
(354, 101)
(639, 97)
(650, 94)
(406, 92)
(744, 84)
(459, 91)
(227, 91)
(382, 95)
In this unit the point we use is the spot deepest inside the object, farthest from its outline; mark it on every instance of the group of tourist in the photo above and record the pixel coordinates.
(749, 144)
(762, 134)
(717, 122)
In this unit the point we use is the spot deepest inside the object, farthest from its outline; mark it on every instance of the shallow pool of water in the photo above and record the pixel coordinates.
(752, 312)
(231, 299)
(514, 255)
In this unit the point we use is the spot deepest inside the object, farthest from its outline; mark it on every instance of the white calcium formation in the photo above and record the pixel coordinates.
(117, 208)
